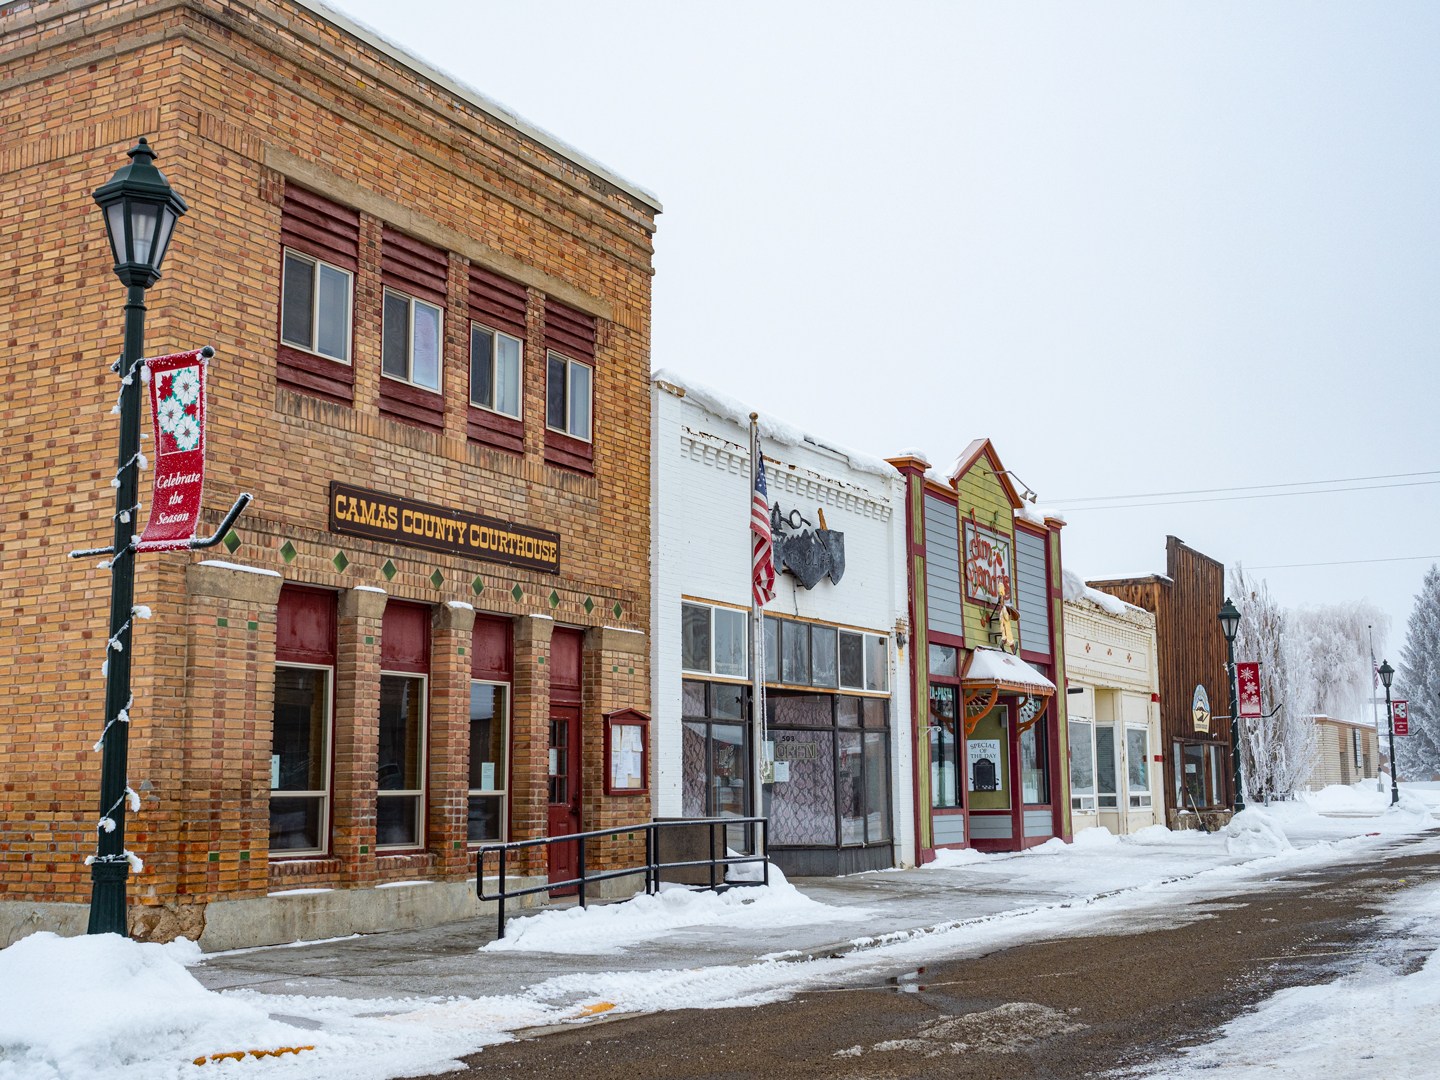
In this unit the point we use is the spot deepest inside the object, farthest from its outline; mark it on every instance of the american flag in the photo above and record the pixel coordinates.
(762, 558)
(1376, 668)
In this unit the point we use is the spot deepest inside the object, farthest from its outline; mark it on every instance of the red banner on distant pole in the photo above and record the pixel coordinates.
(177, 412)
(1400, 717)
(1248, 677)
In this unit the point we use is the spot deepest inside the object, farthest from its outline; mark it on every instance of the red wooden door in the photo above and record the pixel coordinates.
(564, 779)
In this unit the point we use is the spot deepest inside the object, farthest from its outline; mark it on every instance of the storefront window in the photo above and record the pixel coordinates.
(795, 654)
(714, 640)
(824, 661)
(298, 758)
(832, 769)
(1217, 774)
(944, 749)
(1035, 765)
(852, 660)
(715, 758)
(1194, 764)
(1137, 761)
(1106, 797)
(1082, 766)
(400, 772)
(489, 721)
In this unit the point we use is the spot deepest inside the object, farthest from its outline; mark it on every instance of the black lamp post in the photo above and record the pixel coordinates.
(1387, 676)
(1230, 624)
(140, 211)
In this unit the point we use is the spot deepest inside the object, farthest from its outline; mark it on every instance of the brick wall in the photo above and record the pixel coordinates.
(241, 99)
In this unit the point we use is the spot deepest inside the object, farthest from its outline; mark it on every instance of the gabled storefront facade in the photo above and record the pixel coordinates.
(987, 666)
(836, 716)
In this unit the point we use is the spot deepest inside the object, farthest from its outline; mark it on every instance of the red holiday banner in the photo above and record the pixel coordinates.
(1400, 716)
(1248, 676)
(177, 412)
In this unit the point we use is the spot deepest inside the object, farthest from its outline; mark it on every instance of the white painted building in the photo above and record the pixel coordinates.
(837, 716)
(1114, 712)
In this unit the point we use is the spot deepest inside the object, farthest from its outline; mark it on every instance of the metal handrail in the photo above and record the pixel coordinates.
(651, 868)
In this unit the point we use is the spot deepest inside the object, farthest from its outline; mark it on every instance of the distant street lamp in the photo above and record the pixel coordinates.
(140, 210)
(1230, 623)
(1387, 676)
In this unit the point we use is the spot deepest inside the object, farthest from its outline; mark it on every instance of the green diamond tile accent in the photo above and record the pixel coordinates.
(222, 621)
(288, 552)
(554, 599)
(389, 570)
(478, 585)
(630, 671)
(540, 659)
(517, 592)
(252, 625)
(461, 650)
(369, 639)
(214, 856)
(614, 668)
(589, 605)
(340, 561)
(244, 856)
(617, 609)
(364, 849)
(437, 579)
(231, 541)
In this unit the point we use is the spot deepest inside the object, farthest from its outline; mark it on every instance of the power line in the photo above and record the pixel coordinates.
(1344, 562)
(1251, 487)
(1242, 498)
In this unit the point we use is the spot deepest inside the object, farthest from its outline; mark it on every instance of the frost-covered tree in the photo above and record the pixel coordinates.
(1329, 649)
(1279, 750)
(1418, 680)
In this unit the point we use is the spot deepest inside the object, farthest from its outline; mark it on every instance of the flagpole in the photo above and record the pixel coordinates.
(1375, 712)
(757, 696)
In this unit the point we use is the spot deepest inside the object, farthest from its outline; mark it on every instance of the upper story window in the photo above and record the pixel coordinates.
(315, 307)
(412, 340)
(714, 640)
(567, 397)
(495, 370)
(320, 250)
(415, 277)
(571, 339)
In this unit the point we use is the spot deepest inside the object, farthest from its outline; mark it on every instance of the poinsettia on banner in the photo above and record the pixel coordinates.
(177, 411)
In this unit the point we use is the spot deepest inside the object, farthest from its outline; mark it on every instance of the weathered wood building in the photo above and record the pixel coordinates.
(1194, 695)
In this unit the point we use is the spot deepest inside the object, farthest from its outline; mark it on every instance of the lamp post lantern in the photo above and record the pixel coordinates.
(1230, 623)
(140, 210)
(1387, 676)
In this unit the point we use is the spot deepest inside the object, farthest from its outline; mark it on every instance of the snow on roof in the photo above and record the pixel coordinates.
(483, 102)
(994, 666)
(737, 412)
(916, 453)
(1037, 515)
(1075, 589)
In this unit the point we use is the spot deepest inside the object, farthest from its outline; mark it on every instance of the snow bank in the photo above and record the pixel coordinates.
(136, 1003)
(609, 928)
(946, 858)
(1255, 831)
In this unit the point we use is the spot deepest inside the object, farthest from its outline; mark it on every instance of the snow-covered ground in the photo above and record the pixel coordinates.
(104, 1008)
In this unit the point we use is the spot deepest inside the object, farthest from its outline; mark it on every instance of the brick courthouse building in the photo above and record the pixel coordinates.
(423, 310)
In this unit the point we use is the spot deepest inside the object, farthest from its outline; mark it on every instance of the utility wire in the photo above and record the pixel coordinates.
(1344, 562)
(1241, 498)
(1251, 487)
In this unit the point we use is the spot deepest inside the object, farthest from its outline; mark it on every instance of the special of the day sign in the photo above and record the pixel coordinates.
(177, 413)
(987, 565)
(380, 516)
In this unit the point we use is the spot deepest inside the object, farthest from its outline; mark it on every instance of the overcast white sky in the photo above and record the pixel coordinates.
(1144, 247)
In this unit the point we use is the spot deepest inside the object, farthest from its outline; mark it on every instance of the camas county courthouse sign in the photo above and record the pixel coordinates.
(378, 516)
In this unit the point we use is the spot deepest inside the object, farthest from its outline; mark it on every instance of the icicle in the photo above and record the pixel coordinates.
(141, 611)
(108, 824)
